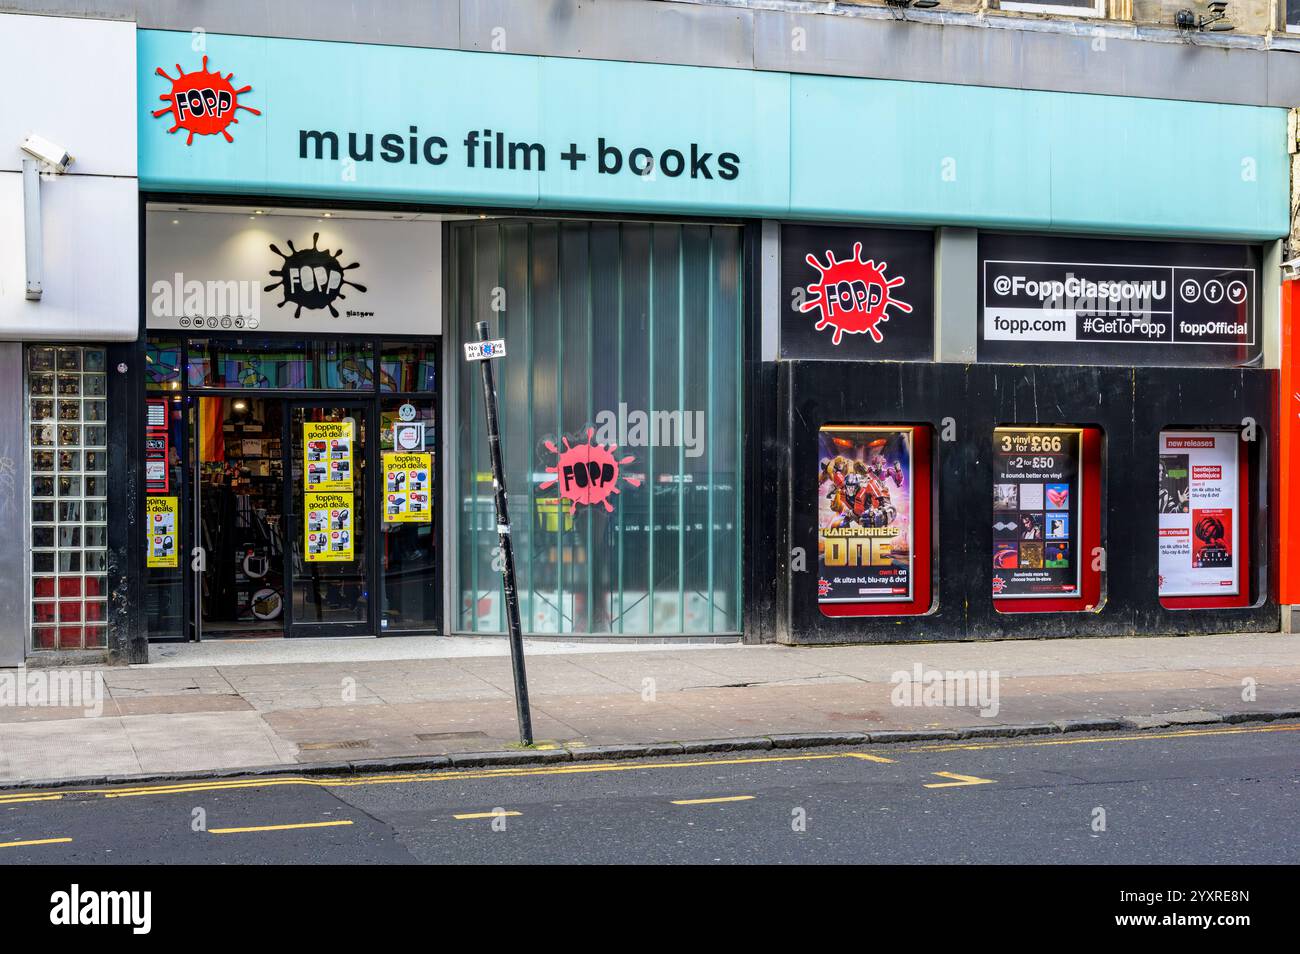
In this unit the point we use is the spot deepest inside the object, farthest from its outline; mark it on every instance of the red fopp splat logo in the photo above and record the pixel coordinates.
(202, 103)
(852, 295)
(587, 474)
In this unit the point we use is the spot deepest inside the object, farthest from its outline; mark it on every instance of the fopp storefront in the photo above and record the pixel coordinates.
(300, 449)
(672, 288)
(290, 423)
(313, 450)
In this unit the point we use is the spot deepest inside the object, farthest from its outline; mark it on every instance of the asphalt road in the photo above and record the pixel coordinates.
(1200, 795)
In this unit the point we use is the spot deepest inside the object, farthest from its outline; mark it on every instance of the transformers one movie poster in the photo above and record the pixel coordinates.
(864, 515)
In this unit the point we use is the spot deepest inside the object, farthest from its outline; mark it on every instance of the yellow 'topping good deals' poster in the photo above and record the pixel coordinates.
(164, 547)
(408, 479)
(329, 527)
(327, 449)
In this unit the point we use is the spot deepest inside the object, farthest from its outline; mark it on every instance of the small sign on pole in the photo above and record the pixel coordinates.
(485, 350)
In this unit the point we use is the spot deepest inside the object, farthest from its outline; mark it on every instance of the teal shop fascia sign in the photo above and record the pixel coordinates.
(262, 116)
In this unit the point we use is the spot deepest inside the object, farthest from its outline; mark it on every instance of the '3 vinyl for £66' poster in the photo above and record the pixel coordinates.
(1036, 488)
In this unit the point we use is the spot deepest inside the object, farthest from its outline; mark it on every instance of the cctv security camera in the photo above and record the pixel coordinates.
(1291, 269)
(52, 154)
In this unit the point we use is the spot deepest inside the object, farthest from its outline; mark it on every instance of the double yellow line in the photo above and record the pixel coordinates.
(36, 841)
(240, 831)
(1093, 740)
(352, 781)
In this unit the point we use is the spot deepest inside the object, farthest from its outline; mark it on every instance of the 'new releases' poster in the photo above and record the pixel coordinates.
(1198, 510)
(864, 515)
(1036, 512)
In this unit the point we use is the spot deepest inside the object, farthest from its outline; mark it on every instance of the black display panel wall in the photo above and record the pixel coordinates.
(965, 403)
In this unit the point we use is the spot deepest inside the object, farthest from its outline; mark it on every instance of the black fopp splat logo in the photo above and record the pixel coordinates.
(312, 278)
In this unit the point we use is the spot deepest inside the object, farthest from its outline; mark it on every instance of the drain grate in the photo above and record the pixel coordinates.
(345, 744)
(449, 736)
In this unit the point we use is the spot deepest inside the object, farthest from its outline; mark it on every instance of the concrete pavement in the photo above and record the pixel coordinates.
(208, 709)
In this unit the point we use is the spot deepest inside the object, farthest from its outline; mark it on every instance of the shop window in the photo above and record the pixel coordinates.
(290, 364)
(247, 363)
(1069, 8)
(162, 364)
(343, 365)
(1046, 519)
(623, 334)
(1293, 16)
(67, 390)
(874, 507)
(408, 367)
(1204, 506)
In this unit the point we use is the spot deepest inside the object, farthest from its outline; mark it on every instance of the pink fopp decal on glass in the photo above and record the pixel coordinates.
(588, 473)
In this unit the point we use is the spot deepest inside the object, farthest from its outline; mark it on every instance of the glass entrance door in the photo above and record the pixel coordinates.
(331, 577)
(255, 427)
(238, 494)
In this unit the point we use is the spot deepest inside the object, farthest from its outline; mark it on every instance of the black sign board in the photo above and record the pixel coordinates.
(1092, 301)
(1036, 512)
(858, 294)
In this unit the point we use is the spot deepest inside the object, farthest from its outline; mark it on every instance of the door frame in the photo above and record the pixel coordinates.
(373, 399)
(191, 504)
(369, 406)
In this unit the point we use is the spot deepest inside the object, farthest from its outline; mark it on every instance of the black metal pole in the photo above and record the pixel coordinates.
(507, 547)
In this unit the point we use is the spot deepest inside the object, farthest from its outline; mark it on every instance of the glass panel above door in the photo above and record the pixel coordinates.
(408, 366)
(280, 363)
